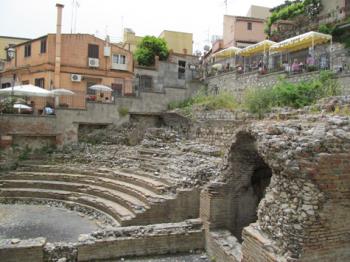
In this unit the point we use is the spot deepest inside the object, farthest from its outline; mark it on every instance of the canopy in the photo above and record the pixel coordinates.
(62, 92)
(301, 42)
(260, 47)
(101, 88)
(25, 90)
(227, 52)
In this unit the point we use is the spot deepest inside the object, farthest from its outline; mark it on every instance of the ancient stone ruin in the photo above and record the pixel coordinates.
(235, 187)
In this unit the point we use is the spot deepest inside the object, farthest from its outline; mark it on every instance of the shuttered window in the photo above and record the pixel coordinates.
(93, 51)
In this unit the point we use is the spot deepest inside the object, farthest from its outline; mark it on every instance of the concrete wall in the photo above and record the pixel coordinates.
(6, 41)
(64, 126)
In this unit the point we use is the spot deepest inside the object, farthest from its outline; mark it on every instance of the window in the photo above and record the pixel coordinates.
(40, 82)
(146, 82)
(181, 69)
(118, 59)
(117, 89)
(4, 85)
(250, 26)
(27, 50)
(43, 46)
(93, 51)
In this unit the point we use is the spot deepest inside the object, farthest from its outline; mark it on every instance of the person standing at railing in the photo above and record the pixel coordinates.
(296, 66)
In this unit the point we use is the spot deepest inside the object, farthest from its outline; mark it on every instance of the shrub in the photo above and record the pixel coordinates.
(296, 95)
(149, 47)
(123, 111)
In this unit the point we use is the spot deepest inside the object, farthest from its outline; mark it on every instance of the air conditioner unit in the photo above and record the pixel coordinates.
(93, 62)
(75, 78)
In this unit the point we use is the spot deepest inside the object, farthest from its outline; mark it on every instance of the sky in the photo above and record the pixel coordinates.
(34, 18)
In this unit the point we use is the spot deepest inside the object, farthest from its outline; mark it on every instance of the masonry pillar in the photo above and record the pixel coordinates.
(58, 46)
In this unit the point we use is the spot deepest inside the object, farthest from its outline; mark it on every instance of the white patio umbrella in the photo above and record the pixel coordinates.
(25, 90)
(60, 92)
(21, 106)
(101, 88)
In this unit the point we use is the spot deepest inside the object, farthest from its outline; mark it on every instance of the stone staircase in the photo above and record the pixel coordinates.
(129, 198)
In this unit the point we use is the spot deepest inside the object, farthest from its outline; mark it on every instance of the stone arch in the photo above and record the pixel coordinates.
(247, 176)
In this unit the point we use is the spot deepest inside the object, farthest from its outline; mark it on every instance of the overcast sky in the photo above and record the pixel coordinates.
(33, 18)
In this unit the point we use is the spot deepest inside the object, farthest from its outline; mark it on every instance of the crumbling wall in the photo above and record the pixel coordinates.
(302, 214)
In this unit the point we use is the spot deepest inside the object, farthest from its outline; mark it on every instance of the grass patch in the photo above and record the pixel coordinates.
(223, 100)
(295, 95)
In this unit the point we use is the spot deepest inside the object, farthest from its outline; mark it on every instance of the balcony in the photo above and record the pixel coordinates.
(117, 66)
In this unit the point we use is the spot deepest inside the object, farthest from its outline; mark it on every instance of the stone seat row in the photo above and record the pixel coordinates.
(125, 197)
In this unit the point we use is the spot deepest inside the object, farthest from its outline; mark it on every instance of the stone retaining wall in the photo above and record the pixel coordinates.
(155, 239)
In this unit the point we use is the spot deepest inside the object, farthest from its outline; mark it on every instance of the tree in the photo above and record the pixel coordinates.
(149, 47)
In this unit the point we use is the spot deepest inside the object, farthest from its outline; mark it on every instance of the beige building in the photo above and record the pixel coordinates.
(178, 42)
(261, 12)
(70, 61)
(6, 42)
(241, 31)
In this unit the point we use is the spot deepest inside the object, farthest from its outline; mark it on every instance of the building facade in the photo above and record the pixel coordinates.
(241, 31)
(85, 60)
(178, 42)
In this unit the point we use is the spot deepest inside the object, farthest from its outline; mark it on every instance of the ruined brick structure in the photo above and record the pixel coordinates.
(279, 193)
(304, 166)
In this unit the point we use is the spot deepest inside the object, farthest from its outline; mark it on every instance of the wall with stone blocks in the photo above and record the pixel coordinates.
(20, 251)
(156, 239)
(237, 84)
(150, 245)
(184, 206)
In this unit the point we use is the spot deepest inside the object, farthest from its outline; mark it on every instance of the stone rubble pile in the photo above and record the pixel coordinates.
(183, 163)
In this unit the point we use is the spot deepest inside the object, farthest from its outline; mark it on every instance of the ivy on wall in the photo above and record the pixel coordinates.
(291, 9)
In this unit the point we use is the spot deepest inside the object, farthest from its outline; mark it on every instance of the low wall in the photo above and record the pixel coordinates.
(16, 250)
(157, 239)
(65, 124)
(237, 84)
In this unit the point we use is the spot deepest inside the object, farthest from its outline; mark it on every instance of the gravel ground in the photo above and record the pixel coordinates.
(175, 258)
(31, 221)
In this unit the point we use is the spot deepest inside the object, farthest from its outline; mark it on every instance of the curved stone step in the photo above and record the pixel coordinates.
(152, 184)
(131, 203)
(141, 193)
(118, 212)
(69, 203)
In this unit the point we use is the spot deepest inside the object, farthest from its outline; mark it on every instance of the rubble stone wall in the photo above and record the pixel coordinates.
(237, 84)
(154, 239)
(302, 215)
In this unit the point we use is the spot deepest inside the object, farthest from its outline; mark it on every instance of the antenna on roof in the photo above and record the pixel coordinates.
(75, 6)
(225, 2)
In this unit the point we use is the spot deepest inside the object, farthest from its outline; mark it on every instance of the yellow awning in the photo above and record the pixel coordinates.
(227, 52)
(301, 42)
(260, 47)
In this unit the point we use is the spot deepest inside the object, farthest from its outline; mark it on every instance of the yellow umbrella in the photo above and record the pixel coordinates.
(260, 47)
(303, 41)
(227, 52)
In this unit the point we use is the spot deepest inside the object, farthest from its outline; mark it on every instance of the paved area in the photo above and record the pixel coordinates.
(175, 258)
(30, 221)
